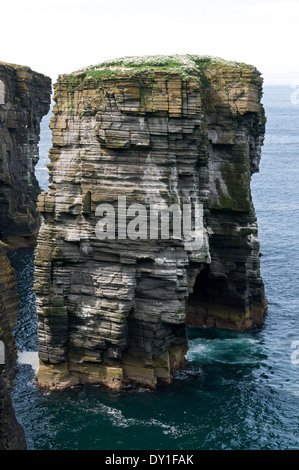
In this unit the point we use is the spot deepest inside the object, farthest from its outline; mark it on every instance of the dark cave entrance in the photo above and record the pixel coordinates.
(212, 296)
(196, 311)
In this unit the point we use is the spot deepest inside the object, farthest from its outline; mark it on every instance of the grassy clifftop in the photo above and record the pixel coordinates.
(188, 66)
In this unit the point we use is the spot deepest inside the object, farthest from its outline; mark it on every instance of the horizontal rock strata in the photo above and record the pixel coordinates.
(154, 131)
(11, 433)
(24, 100)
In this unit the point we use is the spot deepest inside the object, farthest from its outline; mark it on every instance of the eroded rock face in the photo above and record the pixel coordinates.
(149, 131)
(229, 292)
(12, 436)
(24, 100)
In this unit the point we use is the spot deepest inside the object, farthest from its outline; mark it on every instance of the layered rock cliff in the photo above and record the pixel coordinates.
(130, 137)
(11, 433)
(24, 100)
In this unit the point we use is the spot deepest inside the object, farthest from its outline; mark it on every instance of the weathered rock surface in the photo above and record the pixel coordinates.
(161, 130)
(24, 100)
(12, 436)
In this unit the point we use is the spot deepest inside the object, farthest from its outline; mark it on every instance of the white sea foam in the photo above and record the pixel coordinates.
(29, 357)
(118, 419)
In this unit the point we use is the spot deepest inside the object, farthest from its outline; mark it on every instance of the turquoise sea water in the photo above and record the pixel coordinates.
(239, 390)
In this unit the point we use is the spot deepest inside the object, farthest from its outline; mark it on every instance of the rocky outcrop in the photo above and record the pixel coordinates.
(132, 137)
(229, 291)
(11, 433)
(24, 100)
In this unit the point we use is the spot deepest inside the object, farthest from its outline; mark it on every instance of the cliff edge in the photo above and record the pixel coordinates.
(12, 436)
(24, 100)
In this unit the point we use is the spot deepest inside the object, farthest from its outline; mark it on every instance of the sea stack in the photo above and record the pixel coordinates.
(24, 100)
(130, 137)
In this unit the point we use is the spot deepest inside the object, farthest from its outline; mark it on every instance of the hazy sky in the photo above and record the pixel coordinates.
(60, 36)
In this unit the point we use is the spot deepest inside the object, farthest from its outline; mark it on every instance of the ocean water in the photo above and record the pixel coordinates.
(239, 390)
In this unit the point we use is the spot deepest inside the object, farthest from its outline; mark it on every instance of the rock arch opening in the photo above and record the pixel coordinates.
(197, 304)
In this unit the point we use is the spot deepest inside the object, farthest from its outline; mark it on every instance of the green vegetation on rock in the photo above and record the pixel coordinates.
(187, 66)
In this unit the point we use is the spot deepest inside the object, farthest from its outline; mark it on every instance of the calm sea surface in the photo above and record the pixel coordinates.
(239, 390)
